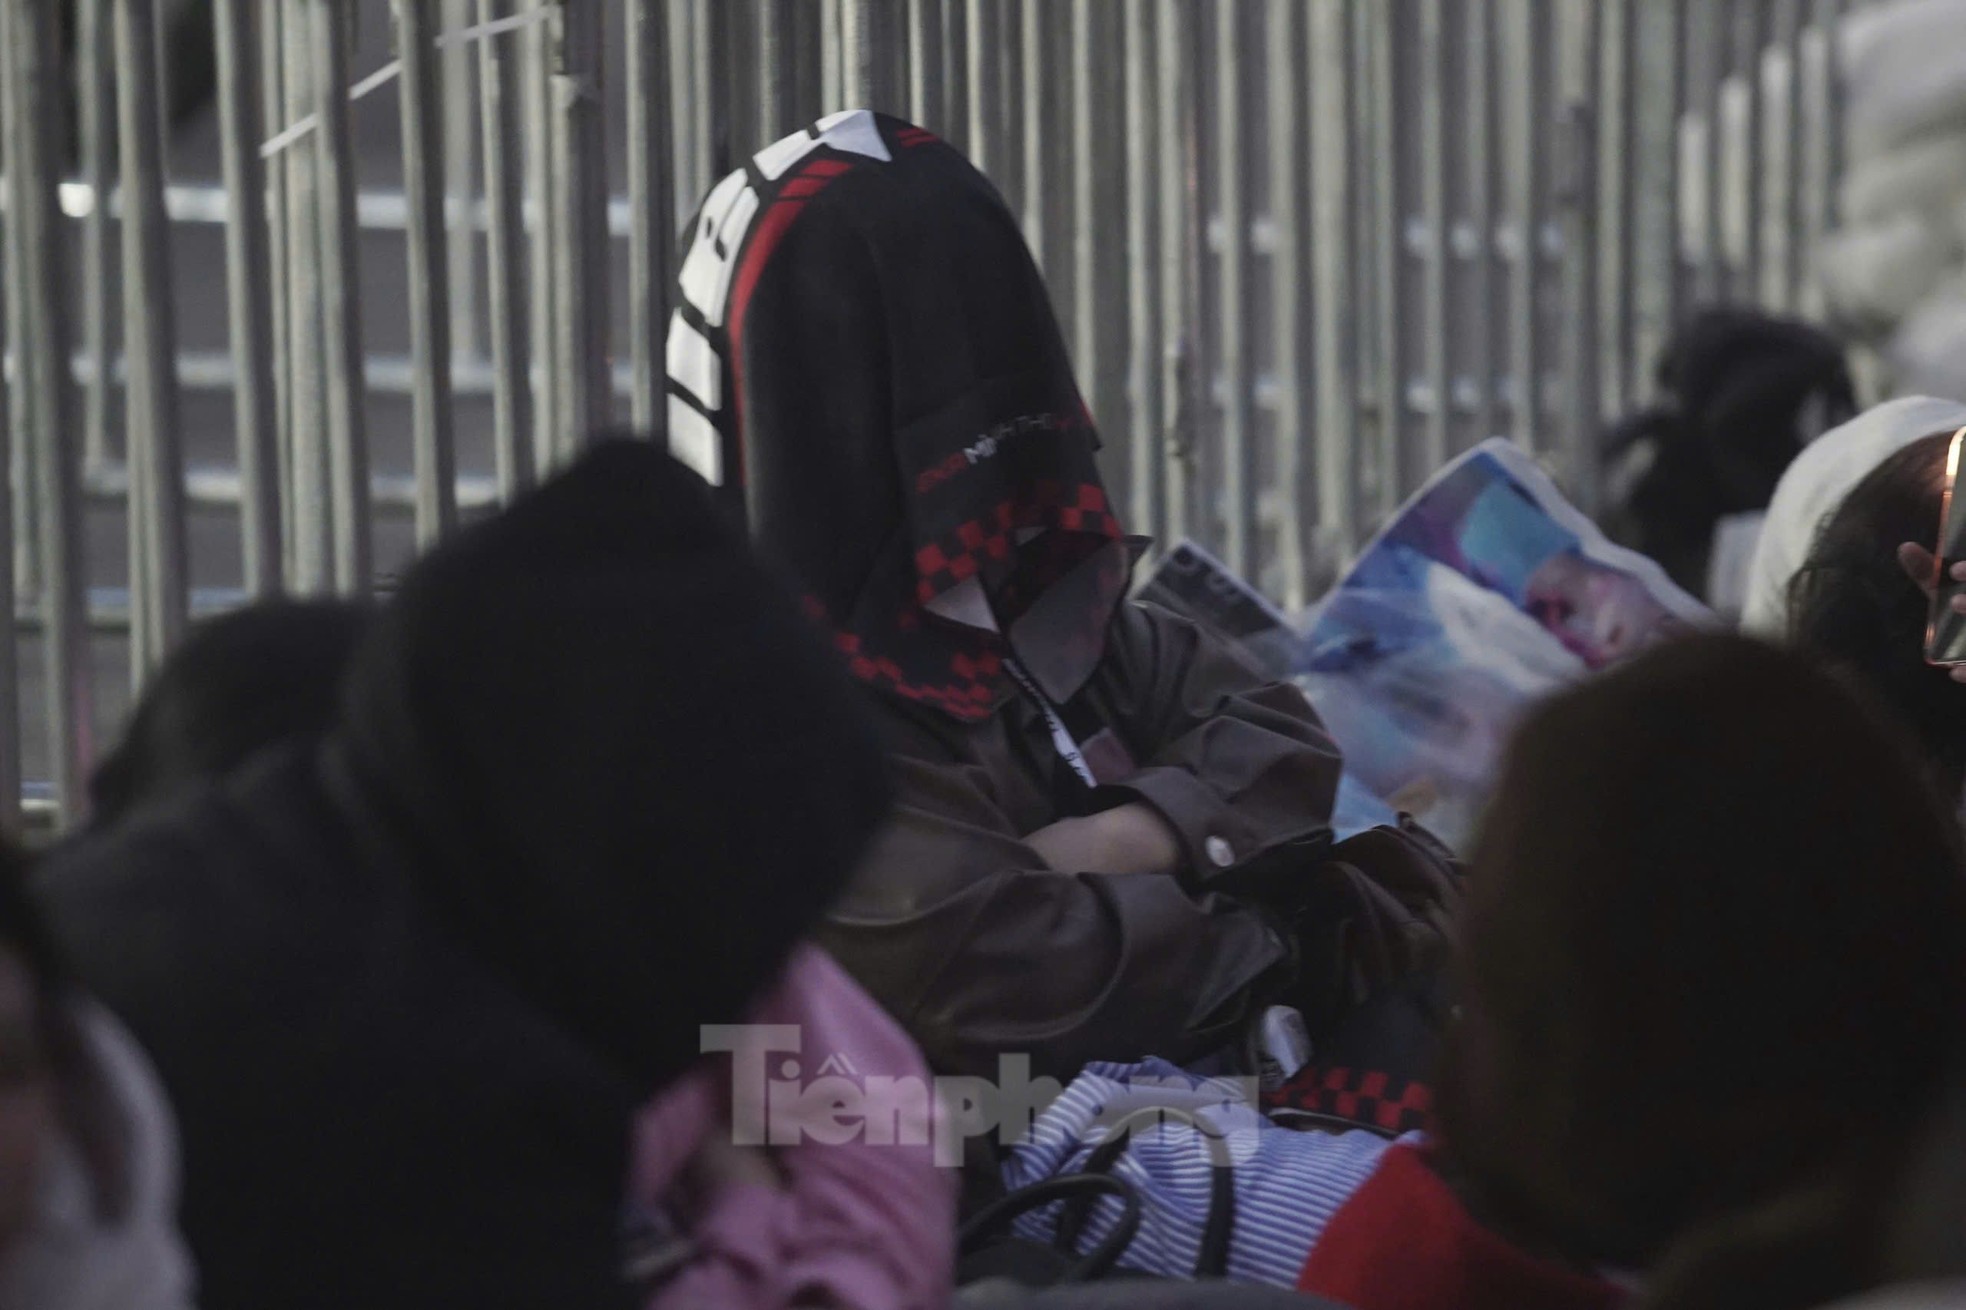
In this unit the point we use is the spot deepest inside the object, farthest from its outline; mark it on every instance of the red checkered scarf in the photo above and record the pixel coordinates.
(975, 411)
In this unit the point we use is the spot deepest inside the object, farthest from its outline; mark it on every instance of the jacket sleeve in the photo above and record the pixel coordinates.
(866, 1222)
(963, 933)
(1237, 764)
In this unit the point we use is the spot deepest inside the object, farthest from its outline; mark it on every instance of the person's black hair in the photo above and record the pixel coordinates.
(236, 684)
(1714, 950)
(1852, 604)
(1741, 393)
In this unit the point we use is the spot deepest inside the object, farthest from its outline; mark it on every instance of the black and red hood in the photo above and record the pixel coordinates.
(866, 350)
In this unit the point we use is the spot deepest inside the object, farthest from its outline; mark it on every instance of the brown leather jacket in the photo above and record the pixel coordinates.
(980, 950)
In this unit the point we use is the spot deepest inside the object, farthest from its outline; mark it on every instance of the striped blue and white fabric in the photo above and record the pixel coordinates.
(1288, 1184)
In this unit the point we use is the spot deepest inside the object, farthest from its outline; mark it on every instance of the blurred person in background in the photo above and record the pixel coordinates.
(1915, 1215)
(1862, 599)
(1742, 394)
(408, 983)
(237, 684)
(88, 1151)
(715, 1223)
(1816, 487)
(1715, 950)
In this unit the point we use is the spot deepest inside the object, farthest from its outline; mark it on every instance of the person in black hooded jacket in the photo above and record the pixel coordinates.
(591, 779)
(865, 347)
(1742, 392)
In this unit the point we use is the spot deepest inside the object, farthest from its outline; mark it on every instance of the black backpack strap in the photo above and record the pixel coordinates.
(1212, 1259)
(1081, 1188)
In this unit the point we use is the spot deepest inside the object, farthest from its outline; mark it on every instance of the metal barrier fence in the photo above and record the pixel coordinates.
(1304, 250)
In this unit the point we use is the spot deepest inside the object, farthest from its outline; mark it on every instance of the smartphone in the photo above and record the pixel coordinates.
(1945, 631)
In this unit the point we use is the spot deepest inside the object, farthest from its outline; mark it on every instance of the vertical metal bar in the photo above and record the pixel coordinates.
(802, 59)
(580, 191)
(1433, 202)
(1146, 431)
(498, 83)
(1585, 416)
(1657, 267)
(310, 530)
(1527, 69)
(1094, 224)
(31, 136)
(1007, 94)
(985, 112)
(341, 321)
(96, 104)
(460, 181)
(856, 54)
(273, 116)
(1481, 154)
(1282, 78)
(738, 87)
(1331, 81)
(157, 566)
(249, 261)
(651, 182)
(867, 47)
(682, 81)
(1751, 17)
(1787, 205)
(546, 218)
(20, 396)
(1389, 208)
(957, 125)
(717, 36)
(832, 58)
(1578, 194)
(703, 98)
(926, 87)
(1091, 172)
(1833, 117)
(1817, 182)
(768, 31)
(11, 767)
(1032, 120)
(775, 75)
(1180, 243)
(1232, 199)
(1711, 283)
(433, 438)
(895, 57)
(1616, 104)
(808, 102)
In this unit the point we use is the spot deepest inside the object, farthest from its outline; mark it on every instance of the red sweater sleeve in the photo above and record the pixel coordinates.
(1405, 1242)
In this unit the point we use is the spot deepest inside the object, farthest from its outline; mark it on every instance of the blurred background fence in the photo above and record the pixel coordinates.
(292, 286)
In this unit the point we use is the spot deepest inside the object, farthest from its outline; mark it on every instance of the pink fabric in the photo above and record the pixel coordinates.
(858, 1226)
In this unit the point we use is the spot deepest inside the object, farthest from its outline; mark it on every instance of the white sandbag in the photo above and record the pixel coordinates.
(1873, 277)
(1928, 353)
(1904, 72)
(1924, 175)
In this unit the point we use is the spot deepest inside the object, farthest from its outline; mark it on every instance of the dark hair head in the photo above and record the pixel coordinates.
(1852, 604)
(1742, 393)
(238, 683)
(1716, 936)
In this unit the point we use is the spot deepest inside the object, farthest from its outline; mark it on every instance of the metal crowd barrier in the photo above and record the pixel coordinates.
(1304, 251)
